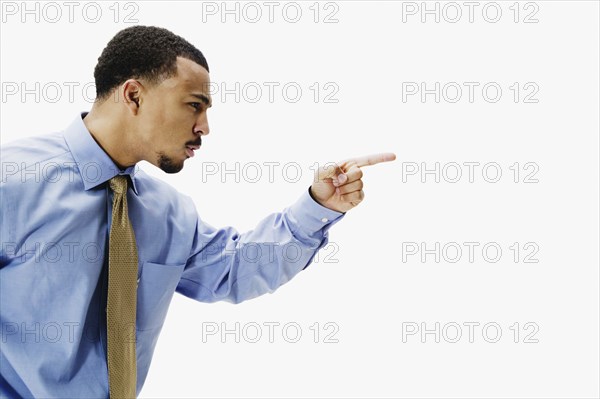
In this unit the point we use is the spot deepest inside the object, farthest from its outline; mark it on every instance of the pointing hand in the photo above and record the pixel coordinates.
(339, 186)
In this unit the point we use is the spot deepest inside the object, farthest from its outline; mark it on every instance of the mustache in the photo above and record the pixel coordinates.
(197, 142)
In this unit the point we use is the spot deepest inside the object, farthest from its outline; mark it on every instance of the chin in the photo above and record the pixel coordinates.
(168, 165)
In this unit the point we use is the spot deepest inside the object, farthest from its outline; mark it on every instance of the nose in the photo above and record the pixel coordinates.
(201, 126)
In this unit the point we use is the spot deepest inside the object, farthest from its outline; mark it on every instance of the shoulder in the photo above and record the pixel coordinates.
(32, 157)
(35, 148)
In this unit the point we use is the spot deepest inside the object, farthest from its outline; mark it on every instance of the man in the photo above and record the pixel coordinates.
(88, 267)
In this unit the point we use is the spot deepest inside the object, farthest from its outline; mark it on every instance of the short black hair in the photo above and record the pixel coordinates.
(147, 52)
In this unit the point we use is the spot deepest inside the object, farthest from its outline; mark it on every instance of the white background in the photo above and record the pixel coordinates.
(364, 286)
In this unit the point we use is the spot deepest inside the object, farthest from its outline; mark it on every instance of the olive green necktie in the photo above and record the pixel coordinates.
(122, 294)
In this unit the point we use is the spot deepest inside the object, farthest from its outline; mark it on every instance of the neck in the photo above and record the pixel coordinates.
(111, 134)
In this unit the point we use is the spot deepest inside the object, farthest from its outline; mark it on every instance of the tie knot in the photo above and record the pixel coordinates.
(118, 184)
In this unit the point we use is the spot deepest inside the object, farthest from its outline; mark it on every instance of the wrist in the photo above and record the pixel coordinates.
(313, 197)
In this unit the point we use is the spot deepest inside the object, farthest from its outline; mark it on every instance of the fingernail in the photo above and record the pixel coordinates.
(342, 178)
(336, 183)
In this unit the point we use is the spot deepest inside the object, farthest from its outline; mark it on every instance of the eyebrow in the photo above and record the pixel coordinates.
(207, 101)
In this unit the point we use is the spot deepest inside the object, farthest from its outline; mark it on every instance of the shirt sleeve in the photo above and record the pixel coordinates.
(227, 266)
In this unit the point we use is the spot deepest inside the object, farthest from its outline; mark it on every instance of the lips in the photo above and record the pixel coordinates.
(189, 149)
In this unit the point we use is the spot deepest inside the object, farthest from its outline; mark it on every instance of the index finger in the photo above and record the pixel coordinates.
(372, 159)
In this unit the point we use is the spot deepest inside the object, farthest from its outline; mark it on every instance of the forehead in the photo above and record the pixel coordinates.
(190, 78)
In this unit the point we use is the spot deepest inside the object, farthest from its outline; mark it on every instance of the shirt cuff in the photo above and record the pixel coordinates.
(310, 216)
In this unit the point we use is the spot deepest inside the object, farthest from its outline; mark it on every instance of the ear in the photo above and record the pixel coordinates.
(131, 95)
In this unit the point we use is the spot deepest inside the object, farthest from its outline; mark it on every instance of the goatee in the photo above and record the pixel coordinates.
(167, 165)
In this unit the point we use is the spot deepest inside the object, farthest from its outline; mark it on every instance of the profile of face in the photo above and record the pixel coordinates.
(171, 116)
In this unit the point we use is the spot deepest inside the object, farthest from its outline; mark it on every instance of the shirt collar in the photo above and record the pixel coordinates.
(95, 166)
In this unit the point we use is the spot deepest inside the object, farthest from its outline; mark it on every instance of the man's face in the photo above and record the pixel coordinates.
(173, 116)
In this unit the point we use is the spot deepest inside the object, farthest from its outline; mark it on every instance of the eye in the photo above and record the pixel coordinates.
(196, 106)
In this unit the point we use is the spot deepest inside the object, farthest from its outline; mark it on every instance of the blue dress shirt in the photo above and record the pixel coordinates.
(56, 213)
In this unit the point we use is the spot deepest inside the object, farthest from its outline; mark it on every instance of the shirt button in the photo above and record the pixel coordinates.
(324, 220)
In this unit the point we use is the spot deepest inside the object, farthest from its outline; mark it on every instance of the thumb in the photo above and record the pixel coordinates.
(331, 170)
